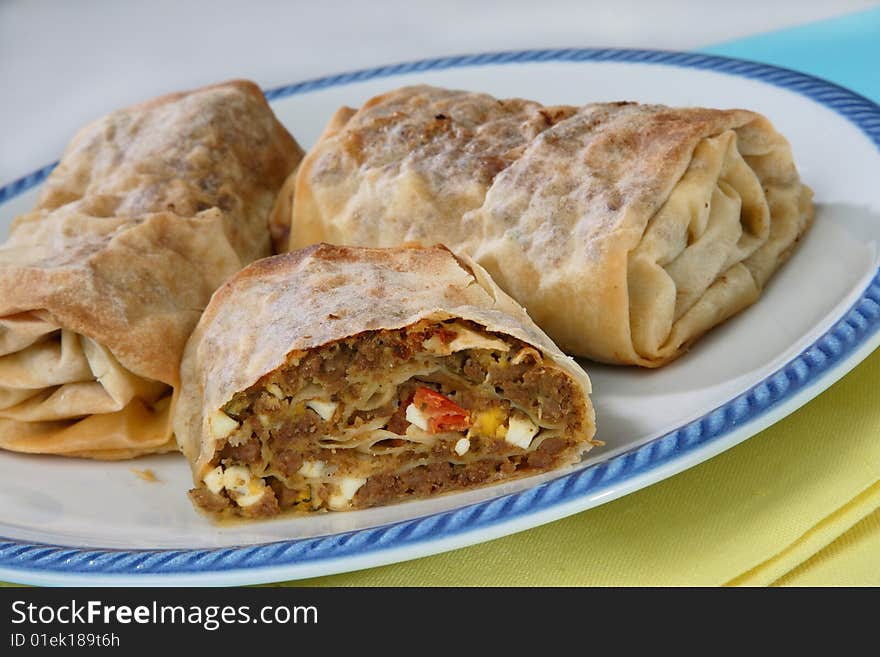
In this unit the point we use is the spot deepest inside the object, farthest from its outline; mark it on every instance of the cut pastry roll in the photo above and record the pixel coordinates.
(626, 230)
(150, 209)
(343, 378)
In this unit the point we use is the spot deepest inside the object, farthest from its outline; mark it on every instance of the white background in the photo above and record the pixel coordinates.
(63, 63)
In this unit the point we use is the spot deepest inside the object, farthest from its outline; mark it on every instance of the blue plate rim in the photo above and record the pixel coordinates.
(853, 331)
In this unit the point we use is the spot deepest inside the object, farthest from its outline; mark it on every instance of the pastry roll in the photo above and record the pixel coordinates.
(342, 378)
(150, 210)
(626, 230)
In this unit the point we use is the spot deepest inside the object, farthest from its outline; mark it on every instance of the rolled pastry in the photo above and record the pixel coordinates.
(626, 230)
(150, 210)
(341, 378)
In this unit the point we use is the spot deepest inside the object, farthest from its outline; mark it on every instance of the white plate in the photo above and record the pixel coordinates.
(80, 522)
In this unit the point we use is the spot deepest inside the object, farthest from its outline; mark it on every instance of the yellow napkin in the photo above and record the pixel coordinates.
(795, 505)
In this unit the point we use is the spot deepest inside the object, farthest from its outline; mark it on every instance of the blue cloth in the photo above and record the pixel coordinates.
(844, 50)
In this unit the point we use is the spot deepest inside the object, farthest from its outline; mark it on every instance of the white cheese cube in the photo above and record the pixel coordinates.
(312, 469)
(246, 490)
(214, 480)
(348, 486)
(221, 425)
(236, 478)
(255, 492)
(415, 416)
(520, 430)
(326, 409)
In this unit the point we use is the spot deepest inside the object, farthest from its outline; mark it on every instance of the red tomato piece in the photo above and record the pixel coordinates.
(443, 414)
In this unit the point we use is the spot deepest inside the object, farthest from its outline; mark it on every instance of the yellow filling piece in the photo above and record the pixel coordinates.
(489, 423)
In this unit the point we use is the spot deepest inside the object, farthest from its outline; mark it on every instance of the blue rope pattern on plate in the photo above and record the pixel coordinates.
(24, 183)
(860, 323)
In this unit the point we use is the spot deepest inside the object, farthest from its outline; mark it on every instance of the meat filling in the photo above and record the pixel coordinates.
(390, 415)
